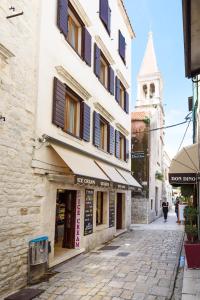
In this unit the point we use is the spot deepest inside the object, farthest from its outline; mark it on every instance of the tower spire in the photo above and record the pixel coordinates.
(149, 63)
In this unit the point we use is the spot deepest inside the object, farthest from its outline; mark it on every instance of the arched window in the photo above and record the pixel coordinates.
(152, 90)
(145, 90)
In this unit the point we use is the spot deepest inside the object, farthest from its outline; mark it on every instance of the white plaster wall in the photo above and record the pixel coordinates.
(55, 51)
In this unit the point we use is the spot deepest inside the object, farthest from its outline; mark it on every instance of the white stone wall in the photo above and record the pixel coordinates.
(19, 208)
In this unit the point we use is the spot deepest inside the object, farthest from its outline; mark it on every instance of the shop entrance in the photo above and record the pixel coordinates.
(119, 211)
(65, 220)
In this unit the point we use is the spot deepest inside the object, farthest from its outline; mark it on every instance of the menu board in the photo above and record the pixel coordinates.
(88, 219)
(112, 209)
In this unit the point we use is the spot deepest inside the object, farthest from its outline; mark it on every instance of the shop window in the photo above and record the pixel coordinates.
(152, 90)
(75, 29)
(99, 208)
(72, 115)
(104, 68)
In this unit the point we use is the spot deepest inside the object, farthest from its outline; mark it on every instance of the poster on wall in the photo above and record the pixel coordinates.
(78, 220)
(88, 218)
(112, 209)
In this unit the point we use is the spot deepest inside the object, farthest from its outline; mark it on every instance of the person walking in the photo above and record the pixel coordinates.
(177, 210)
(165, 207)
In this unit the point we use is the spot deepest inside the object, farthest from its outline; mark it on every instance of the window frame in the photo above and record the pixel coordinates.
(78, 122)
(122, 149)
(101, 208)
(122, 88)
(106, 141)
(72, 11)
(106, 66)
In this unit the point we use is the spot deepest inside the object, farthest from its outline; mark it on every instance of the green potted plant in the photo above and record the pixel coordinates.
(192, 245)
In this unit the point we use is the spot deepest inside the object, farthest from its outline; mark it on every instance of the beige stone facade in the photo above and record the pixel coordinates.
(19, 208)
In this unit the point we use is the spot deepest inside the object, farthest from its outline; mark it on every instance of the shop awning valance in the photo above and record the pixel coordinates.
(129, 178)
(82, 166)
(185, 166)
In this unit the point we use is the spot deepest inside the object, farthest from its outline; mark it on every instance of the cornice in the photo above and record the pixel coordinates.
(103, 112)
(122, 129)
(126, 18)
(122, 79)
(5, 54)
(81, 12)
(104, 49)
(73, 83)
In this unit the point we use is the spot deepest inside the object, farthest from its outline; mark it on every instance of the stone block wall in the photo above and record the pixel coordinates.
(19, 208)
(139, 209)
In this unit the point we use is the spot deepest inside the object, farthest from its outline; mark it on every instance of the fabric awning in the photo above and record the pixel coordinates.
(129, 178)
(185, 165)
(111, 172)
(80, 164)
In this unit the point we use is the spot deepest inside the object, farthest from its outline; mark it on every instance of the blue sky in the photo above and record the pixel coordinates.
(164, 19)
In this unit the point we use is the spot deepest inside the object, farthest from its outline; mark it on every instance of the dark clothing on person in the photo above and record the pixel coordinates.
(176, 208)
(165, 207)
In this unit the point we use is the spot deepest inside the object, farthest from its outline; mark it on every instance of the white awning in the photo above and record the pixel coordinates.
(111, 172)
(80, 164)
(129, 178)
(186, 161)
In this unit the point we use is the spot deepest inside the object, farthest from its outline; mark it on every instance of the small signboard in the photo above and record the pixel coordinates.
(112, 209)
(88, 218)
(137, 155)
(78, 220)
(182, 178)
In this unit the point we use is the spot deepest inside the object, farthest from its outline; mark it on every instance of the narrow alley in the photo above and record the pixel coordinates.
(140, 264)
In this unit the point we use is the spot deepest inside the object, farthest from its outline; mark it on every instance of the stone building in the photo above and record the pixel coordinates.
(19, 204)
(65, 143)
(147, 141)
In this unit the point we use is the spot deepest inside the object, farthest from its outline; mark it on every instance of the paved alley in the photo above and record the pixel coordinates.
(140, 264)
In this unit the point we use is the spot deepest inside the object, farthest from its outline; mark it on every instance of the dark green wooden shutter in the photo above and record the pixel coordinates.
(117, 143)
(111, 139)
(62, 16)
(59, 100)
(117, 89)
(96, 129)
(126, 149)
(85, 122)
(97, 54)
(111, 80)
(122, 46)
(87, 47)
(126, 98)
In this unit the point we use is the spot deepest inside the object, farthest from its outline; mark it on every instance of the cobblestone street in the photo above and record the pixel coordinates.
(143, 266)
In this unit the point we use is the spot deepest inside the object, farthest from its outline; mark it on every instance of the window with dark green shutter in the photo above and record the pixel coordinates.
(111, 80)
(96, 129)
(97, 55)
(117, 144)
(117, 89)
(111, 139)
(85, 122)
(87, 47)
(62, 16)
(59, 100)
(105, 14)
(126, 102)
(122, 46)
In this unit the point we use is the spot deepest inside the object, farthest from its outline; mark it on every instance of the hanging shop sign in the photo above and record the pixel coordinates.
(111, 209)
(83, 180)
(183, 178)
(88, 217)
(137, 155)
(78, 220)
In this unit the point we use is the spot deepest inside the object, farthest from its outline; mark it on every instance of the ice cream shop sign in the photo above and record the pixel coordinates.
(183, 178)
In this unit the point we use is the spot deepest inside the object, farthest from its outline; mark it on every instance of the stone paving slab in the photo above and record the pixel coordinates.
(146, 273)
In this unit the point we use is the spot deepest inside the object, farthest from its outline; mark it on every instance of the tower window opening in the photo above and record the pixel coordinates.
(145, 90)
(152, 90)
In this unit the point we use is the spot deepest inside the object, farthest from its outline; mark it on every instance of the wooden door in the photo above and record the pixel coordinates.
(70, 219)
(119, 211)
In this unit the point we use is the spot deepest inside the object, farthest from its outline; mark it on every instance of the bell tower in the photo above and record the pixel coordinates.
(149, 90)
